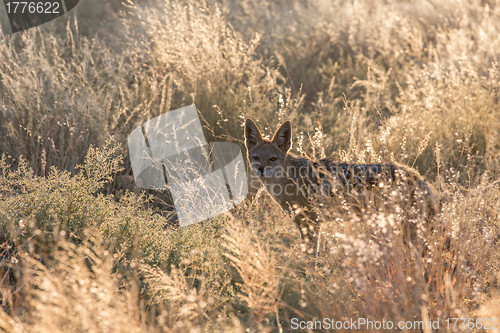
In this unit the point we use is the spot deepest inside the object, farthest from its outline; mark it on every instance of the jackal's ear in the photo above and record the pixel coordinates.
(252, 134)
(283, 136)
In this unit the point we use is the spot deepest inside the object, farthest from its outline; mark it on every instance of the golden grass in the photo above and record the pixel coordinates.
(413, 82)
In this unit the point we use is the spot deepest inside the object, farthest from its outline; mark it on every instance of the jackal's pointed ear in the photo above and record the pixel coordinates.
(283, 136)
(252, 134)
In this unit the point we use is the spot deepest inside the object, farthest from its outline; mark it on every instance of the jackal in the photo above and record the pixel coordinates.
(298, 184)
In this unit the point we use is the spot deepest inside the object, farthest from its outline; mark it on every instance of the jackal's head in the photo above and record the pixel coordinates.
(267, 156)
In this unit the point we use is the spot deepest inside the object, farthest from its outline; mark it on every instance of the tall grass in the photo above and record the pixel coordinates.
(413, 82)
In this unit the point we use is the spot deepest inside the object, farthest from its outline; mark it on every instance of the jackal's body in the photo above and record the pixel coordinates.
(298, 183)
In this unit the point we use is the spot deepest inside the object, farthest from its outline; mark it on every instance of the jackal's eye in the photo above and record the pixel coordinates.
(256, 158)
(274, 158)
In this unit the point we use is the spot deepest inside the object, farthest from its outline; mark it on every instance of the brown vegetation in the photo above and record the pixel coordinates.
(414, 82)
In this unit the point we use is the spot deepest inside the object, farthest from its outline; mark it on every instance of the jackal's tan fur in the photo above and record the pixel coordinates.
(298, 183)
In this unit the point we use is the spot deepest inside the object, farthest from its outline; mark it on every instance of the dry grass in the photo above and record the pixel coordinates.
(414, 82)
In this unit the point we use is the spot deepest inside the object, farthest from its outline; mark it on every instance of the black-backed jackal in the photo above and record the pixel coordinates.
(298, 184)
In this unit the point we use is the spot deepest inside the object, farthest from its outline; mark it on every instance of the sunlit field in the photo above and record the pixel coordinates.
(415, 82)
